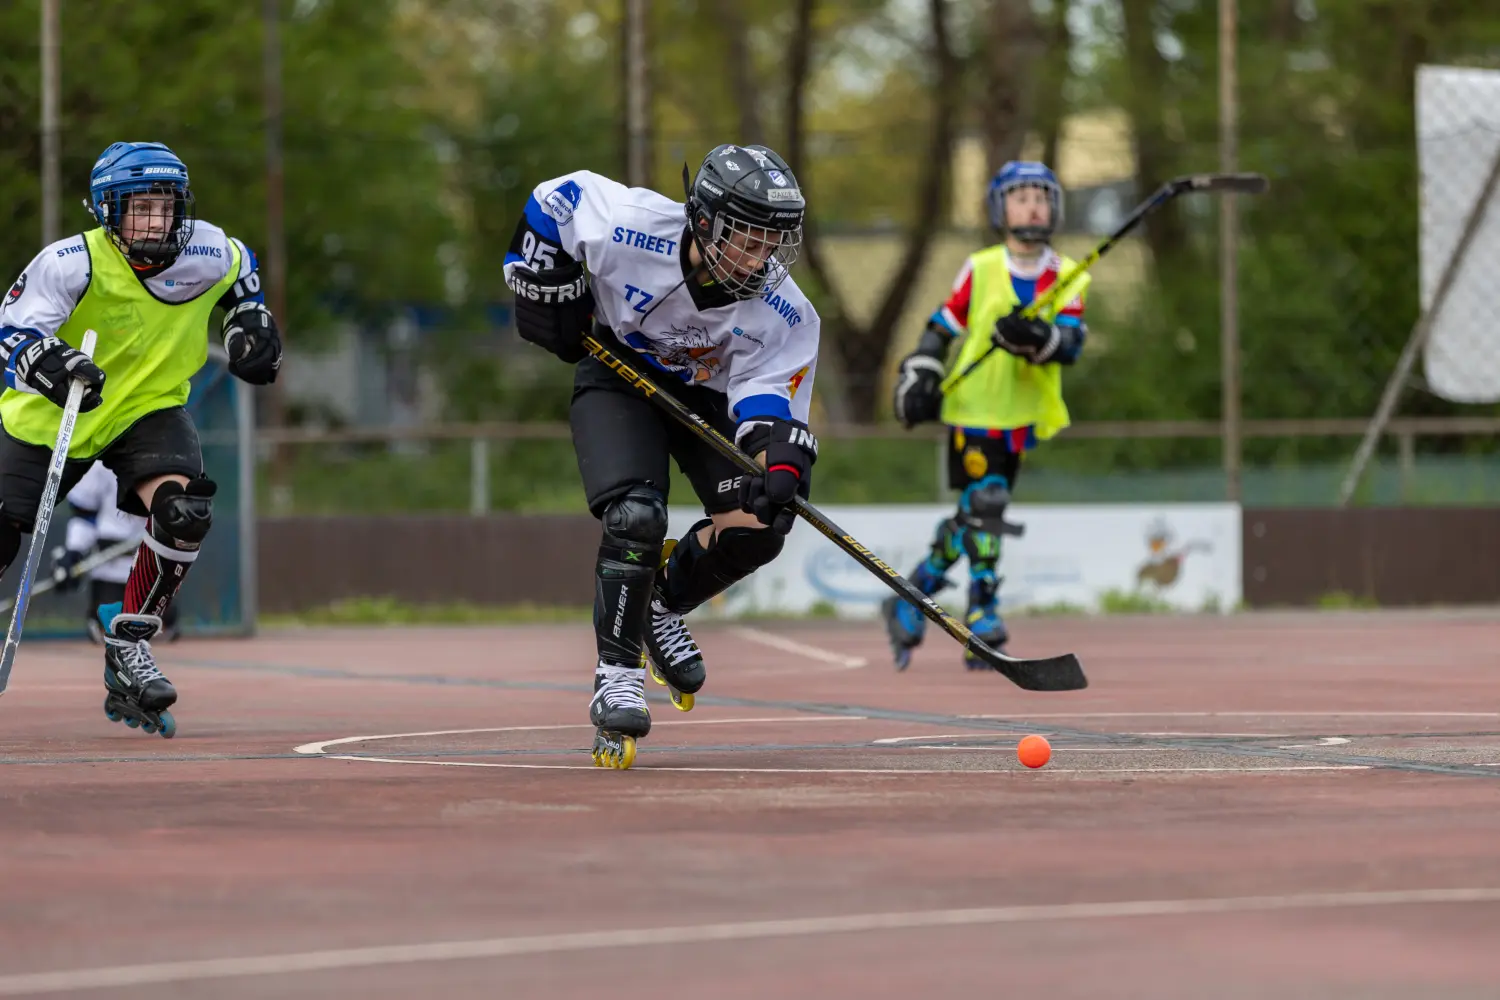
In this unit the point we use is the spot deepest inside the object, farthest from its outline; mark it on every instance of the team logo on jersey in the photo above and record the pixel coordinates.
(975, 462)
(686, 352)
(795, 382)
(15, 290)
(563, 200)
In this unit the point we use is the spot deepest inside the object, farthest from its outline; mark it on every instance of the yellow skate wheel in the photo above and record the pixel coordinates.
(656, 674)
(683, 701)
(613, 750)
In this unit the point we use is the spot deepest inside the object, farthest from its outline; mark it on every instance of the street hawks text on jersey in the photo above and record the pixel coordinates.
(761, 352)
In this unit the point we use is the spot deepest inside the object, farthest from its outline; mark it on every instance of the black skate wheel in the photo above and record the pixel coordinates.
(133, 723)
(110, 713)
(168, 726)
(148, 728)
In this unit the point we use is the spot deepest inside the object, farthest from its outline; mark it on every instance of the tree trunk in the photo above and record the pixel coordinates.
(1146, 101)
(1051, 102)
(731, 19)
(860, 349)
(1007, 72)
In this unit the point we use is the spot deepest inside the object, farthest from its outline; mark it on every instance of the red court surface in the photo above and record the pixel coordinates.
(1289, 806)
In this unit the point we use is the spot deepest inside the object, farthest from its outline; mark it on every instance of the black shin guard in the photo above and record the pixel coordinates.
(180, 520)
(635, 525)
(695, 574)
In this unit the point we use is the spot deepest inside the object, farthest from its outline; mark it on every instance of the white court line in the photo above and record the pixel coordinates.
(318, 748)
(857, 770)
(799, 648)
(973, 735)
(197, 970)
(1251, 715)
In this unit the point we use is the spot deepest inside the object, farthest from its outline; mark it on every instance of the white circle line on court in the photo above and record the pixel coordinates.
(1279, 769)
(319, 748)
(737, 933)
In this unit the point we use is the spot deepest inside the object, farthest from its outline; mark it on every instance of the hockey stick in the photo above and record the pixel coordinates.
(84, 566)
(1056, 673)
(1202, 183)
(44, 515)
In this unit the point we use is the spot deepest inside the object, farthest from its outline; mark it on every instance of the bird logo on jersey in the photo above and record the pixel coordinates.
(15, 290)
(685, 352)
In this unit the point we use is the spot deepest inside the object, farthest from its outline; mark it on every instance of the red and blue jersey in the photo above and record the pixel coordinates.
(953, 316)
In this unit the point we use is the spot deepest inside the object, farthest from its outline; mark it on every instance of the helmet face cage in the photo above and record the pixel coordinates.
(161, 222)
(749, 260)
(1014, 176)
(140, 194)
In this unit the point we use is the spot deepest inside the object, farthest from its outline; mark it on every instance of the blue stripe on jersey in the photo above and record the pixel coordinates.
(544, 225)
(764, 405)
(1069, 320)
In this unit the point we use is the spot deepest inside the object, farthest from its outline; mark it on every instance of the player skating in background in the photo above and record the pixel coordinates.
(698, 295)
(147, 280)
(96, 525)
(1009, 403)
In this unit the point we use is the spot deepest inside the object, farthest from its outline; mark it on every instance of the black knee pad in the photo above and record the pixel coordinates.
(695, 574)
(635, 526)
(181, 515)
(637, 519)
(982, 507)
(985, 499)
(748, 549)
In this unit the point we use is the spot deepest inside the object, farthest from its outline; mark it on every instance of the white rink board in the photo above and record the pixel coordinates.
(1458, 138)
(1071, 553)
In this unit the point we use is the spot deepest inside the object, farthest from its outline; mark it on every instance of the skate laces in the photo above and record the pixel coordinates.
(621, 687)
(672, 635)
(138, 659)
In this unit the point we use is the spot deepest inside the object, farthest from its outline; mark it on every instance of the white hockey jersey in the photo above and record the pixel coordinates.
(762, 353)
(96, 492)
(53, 283)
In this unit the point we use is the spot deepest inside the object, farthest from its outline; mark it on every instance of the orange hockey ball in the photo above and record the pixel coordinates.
(1034, 751)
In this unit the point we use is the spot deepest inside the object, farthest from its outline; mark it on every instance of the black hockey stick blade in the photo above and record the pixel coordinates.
(1054, 673)
(1241, 183)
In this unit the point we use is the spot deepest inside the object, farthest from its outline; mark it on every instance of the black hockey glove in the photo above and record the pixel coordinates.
(1035, 340)
(918, 395)
(790, 451)
(253, 345)
(49, 366)
(554, 308)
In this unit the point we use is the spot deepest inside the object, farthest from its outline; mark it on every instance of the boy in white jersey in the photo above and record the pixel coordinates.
(700, 297)
(147, 280)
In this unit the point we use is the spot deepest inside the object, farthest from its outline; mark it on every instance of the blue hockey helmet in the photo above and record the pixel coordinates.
(160, 232)
(1019, 174)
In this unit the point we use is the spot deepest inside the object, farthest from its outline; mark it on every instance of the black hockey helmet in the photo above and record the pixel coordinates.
(745, 210)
